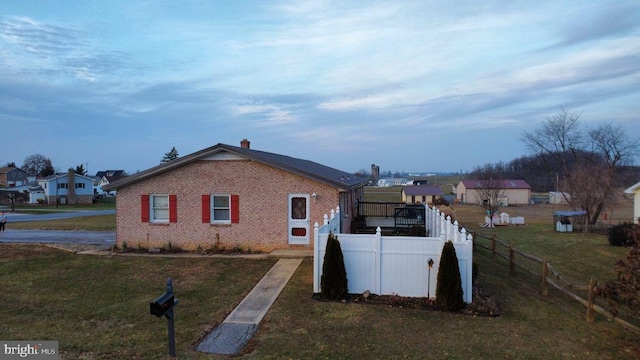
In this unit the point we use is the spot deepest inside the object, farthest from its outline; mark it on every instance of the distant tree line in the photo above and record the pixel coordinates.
(544, 173)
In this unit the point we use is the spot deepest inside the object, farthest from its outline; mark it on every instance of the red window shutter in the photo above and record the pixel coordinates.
(206, 209)
(235, 209)
(144, 208)
(173, 208)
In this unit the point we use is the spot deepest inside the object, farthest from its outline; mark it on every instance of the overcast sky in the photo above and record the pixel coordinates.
(407, 85)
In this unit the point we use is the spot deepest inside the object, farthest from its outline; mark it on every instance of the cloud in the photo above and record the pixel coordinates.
(58, 53)
(608, 21)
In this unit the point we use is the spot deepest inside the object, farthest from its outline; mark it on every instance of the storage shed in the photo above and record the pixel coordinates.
(566, 220)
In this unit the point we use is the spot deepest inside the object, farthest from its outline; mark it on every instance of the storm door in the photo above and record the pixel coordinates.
(298, 219)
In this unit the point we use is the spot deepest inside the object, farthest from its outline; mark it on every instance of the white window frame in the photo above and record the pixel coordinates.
(155, 217)
(220, 208)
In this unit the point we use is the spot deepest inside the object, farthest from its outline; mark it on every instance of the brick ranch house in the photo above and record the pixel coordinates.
(231, 197)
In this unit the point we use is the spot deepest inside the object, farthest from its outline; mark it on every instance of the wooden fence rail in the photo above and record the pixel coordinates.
(563, 285)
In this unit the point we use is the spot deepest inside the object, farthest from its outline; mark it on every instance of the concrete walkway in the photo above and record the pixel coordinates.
(237, 329)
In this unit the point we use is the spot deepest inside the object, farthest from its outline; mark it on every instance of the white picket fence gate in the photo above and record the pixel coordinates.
(396, 265)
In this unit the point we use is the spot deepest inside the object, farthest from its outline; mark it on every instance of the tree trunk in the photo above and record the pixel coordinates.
(596, 214)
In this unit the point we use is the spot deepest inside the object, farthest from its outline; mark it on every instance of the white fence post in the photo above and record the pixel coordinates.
(378, 260)
(316, 258)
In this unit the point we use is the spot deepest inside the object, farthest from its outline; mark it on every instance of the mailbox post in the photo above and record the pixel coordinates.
(163, 306)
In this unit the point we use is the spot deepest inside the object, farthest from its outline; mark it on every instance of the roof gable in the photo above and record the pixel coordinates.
(633, 189)
(64, 176)
(8, 169)
(111, 173)
(306, 168)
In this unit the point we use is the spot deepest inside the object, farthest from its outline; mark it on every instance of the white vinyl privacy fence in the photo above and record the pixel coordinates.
(396, 265)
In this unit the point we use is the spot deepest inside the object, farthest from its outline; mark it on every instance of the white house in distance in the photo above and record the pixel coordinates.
(635, 190)
(516, 192)
(423, 194)
(70, 188)
(386, 182)
(558, 197)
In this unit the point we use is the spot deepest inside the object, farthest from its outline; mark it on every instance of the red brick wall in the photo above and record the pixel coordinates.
(263, 192)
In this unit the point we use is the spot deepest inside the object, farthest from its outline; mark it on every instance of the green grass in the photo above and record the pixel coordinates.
(577, 256)
(530, 327)
(90, 223)
(106, 203)
(97, 308)
(383, 194)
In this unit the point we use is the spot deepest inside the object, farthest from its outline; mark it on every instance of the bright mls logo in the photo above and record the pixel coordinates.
(43, 350)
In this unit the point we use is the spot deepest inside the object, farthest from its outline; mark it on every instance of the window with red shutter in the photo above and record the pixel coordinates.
(220, 209)
(160, 209)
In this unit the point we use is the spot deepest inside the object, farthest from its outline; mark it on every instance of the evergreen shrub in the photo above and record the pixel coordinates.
(333, 282)
(449, 289)
(622, 234)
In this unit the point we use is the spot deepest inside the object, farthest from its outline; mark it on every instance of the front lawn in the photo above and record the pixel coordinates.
(86, 223)
(98, 308)
(105, 203)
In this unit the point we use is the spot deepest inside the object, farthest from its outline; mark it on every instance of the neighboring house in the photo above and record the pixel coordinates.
(231, 197)
(420, 194)
(635, 191)
(12, 177)
(36, 195)
(70, 188)
(558, 197)
(386, 182)
(516, 192)
(104, 178)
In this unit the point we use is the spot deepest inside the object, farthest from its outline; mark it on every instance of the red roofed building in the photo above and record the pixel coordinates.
(516, 192)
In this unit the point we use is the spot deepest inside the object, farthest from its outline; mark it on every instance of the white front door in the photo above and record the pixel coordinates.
(299, 219)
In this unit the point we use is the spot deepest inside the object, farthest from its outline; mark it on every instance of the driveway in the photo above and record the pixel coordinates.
(105, 239)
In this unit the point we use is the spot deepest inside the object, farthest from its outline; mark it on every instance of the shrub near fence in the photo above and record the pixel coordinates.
(541, 268)
(388, 265)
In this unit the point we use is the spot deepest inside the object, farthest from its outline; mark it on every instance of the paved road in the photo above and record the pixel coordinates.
(104, 238)
(62, 214)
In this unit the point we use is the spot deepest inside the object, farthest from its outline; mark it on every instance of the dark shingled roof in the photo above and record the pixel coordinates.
(306, 168)
(422, 190)
(506, 184)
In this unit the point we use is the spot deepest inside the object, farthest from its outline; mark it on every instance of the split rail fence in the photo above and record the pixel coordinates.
(548, 276)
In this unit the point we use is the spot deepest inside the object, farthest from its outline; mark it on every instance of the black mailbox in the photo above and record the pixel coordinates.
(161, 305)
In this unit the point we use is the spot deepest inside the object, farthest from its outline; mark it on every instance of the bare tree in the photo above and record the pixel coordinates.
(38, 164)
(490, 190)
(589, 161)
